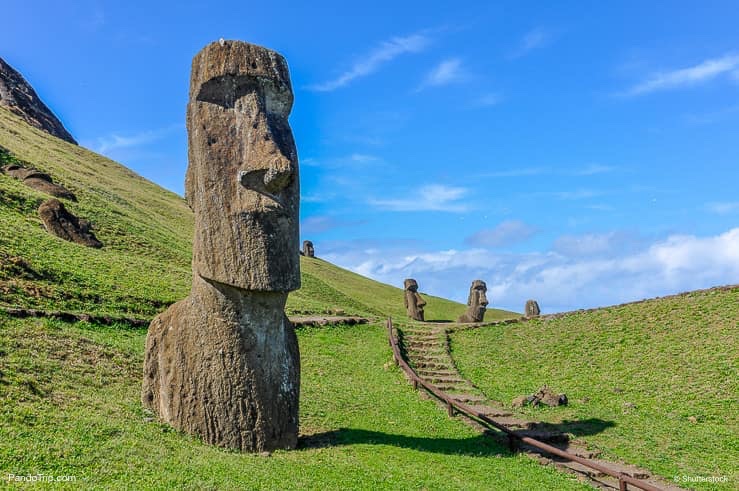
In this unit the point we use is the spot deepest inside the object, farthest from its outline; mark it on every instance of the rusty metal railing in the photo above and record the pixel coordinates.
(455, 405)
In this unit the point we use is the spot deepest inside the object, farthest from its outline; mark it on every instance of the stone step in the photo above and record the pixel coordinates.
(437, 373)
(467, 397)
(491, 411)
(465, 386)
(426, 349)
(436, 365)
(545, 436)
(514, 423)
(441, 379)
(424, 345)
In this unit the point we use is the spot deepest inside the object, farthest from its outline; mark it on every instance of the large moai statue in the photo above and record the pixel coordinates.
(414, 302)
(477, 303)
(532, 308)
(308, 249)
(223, 363)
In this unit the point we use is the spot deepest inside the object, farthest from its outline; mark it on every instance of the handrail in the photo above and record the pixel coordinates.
(453, 404)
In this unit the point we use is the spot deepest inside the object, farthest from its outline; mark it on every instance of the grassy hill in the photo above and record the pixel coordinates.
(664, 373)
(147, 233)
(69, 392)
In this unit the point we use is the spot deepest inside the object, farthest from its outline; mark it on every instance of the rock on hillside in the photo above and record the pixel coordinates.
(17, 95)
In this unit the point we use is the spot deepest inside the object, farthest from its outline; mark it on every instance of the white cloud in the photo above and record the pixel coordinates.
(684, 77)
(593, 169)
(723, 208)
(535, 38)
(321, 223)
(609, 275)
(505, 233)
(447, 72)
(371, 62)
(431, 197)
(115, 141)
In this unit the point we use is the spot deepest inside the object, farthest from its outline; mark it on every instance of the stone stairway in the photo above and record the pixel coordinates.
(426, 348)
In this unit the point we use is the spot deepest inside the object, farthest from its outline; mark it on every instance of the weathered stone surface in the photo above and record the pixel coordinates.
(224, 362)
(17, 95)
(532, 309)
(242, 179)
(544, 395)
(308, 249)
(414, 302)
(60, 222)
(38, 181)
(477, 303)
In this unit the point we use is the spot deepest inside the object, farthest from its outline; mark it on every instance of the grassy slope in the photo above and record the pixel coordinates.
(147, 232)
(69, 405)
(673, 358)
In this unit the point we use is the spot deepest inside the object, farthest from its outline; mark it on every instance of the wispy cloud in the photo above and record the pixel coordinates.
(723, 208)
(505, 233)
(372, 61)
(535, 38)
(446, 72)
(117, 141)
(593, 169)
(576, 194)
(432, 197)
(521, 172)
(351, 160)
(685, 77)
(488, 100)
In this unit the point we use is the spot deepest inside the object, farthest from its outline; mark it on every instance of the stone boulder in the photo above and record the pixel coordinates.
(60, 222)
(38, 180)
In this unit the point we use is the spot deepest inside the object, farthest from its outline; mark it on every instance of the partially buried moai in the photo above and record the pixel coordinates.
(414, 302)
(532, 308)
(308, 250)
(477, 303)
(223, 363)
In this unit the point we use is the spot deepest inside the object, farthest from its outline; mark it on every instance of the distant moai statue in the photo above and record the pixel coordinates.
(477, 303)
(414, 302)
(532, 308)
(223, 363)
(308, 249)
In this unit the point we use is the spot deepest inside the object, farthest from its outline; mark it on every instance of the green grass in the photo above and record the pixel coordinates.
(673, 359)
(69, 405)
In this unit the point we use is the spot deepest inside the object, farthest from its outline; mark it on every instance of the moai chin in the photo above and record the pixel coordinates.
(223, 363)
(414, 302)
(477, 303)
(308, 249)
(532, 309)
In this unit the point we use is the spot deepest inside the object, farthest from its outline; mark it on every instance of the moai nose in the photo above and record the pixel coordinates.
(278, 175)
(483, 300)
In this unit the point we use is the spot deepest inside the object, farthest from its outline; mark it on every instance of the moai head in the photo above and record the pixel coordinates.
(242, 178)
(308, 250)
(532, 308)
(477, 300)
(414, 302)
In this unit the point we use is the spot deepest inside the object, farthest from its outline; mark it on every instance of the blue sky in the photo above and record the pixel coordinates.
(578, 153)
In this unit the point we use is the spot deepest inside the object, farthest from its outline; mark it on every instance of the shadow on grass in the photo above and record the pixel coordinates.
(480, 445)
(490, 442)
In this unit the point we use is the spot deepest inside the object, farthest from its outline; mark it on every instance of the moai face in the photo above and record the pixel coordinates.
(242, 178)
(414, 302)
(477, 300)
(308, 250)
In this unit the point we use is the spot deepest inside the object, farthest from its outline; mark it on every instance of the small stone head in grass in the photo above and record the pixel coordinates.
(414, 302)
(477, 303)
